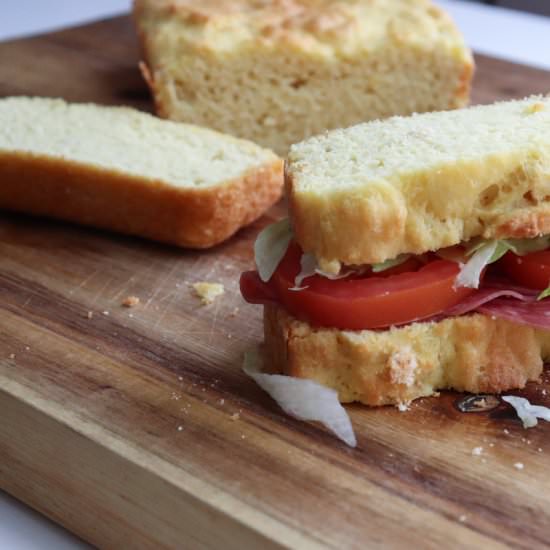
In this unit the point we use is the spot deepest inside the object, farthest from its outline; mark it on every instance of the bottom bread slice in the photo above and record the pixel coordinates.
(473, 353)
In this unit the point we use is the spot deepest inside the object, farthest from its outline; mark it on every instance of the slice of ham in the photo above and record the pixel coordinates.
(486, 295)
(505, 301)
(534, 314)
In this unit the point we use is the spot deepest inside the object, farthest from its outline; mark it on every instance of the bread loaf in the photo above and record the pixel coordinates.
(120, 169)
(276, 72)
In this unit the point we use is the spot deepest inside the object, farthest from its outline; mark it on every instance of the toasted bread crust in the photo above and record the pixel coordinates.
(190, 217)
(472, 353)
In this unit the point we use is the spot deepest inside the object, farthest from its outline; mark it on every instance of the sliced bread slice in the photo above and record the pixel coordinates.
(473, 353)
(124, 170)
(409, 185)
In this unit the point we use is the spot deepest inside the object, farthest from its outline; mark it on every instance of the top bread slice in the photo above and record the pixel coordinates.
(368, 193)
(278, 72)
(128, 171)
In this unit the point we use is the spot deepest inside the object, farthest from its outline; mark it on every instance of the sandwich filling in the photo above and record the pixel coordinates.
(506, 278)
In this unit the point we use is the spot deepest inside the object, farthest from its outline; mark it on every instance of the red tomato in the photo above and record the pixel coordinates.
(361, 301)
(531, 270)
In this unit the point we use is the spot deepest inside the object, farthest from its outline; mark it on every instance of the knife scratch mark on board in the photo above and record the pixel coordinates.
(213, 324)
(124, 288)
(100, 291)
(165, 309)
(84, 281)
(162, 283)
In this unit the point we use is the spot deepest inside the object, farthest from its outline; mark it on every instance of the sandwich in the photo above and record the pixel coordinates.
(416, 256)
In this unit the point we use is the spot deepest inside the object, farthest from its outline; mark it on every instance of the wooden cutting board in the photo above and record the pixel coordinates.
(136, 428)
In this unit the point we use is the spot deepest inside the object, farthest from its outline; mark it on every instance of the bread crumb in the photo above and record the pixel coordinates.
(506, 431)
(208, 292)
(222, 401)
(90, 314)
(534, 108)
(27, 348)
(12, 355)
(403, 406)
(235, 416)
(403, 365)
(105, 313)
(539, 450)
(462, 518)
(180, 428)
(476, 451)
(130, 301)
(518, 466)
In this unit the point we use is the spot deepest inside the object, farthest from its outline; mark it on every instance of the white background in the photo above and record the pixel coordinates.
(502, 33)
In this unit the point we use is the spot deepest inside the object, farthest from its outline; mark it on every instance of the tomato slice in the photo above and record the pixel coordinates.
(531, 270)
(401, 295)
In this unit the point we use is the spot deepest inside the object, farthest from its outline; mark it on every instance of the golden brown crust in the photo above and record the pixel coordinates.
(462, 95)
(526, 225)
(190, 217)
(473, 353)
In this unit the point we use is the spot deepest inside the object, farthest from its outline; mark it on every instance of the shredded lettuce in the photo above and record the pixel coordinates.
(484, 253)
(544, 294)
(525, 246)
(528, 414)
(470, 272)
(308, 267)
(382, 266)
(501, 247)
(271, 246)
(302, 398)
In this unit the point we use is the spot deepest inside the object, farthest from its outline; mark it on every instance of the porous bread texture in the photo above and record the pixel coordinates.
(278, 71)
(368, 193)
(120, 169)
(472, 353)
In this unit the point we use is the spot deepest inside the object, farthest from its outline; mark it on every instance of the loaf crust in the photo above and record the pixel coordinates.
(471, 353)
(270, 71)
(85, 194)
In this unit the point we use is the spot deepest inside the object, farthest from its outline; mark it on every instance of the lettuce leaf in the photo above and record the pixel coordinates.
(382, 266)
(302, 398)
(544, 294)
(271, 246)
(484, 253)
(525, 246)
(470, 272)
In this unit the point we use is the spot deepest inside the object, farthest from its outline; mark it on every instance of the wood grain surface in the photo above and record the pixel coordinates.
(136, 428)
